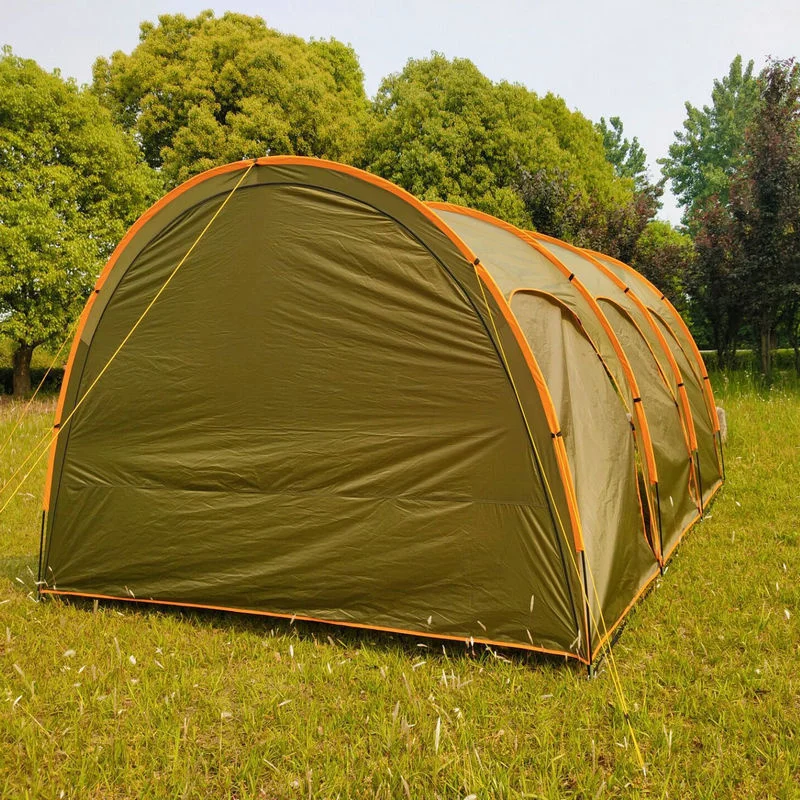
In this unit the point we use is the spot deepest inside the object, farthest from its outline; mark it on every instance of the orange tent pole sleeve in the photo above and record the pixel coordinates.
(665, 381)
(568, 310)
(638, 403)
(707, 388)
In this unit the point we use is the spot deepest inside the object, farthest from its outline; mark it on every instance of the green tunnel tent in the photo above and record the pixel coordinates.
(347, 407)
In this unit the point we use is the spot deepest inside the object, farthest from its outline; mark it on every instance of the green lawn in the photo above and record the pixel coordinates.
(126, 702)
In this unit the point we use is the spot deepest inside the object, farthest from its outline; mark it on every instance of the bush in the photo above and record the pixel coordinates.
(51, 384)
(782, 359)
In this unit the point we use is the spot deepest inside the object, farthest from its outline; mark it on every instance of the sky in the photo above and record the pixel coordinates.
(635, 59)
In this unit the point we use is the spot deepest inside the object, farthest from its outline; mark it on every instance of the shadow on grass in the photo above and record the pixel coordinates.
(405, 645)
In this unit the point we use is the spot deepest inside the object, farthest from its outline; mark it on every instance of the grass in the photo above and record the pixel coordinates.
(119, 701)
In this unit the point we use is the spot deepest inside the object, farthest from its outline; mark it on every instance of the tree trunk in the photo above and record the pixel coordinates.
(766, 352)
(794, 338)
(796, 348)
(22, 369)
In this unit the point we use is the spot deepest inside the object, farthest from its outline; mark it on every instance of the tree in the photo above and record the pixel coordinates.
(664, 256)
(205, 91)
(715, 281)
(70, 184)
(747, 270)
(765, 202)
(444, 131)
(709, 150)
(628, 157)
(621, 230)
(617, 230)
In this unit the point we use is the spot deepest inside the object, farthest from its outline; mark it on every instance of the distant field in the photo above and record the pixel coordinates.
(126, 702)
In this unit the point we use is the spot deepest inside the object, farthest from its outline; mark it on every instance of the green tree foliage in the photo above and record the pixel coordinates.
(715, 280)
(709, 150)
(616, 231)
(206, 91)
(70, 184)
(627, 156)
(748, 238)
(444, 131)
(765, 203)
(664, 255)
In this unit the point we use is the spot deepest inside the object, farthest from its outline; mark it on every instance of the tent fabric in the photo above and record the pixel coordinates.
(698, 386)
(605, 284)
(618, 340)
(348, 407)
(600, 447)
(677, 498)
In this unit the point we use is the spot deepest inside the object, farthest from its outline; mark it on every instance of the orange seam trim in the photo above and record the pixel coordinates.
(686, 442)
(671, 331)
(711, 412)
(564, 307)
(641, 416)
(662, 374)
(280, 615)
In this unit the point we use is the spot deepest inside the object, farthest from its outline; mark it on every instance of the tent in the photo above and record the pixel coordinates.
(297, 390)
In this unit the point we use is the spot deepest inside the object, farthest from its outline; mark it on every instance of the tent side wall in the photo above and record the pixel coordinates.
(676, 322)
(707, 445)
(317, 419)
(590, 406)
(619, 557)
(519, 262)
(652, 359)
(682, 343)
(677, 502)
